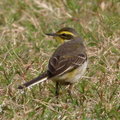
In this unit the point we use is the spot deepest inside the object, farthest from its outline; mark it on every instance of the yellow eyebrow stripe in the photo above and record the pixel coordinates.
(65, 32)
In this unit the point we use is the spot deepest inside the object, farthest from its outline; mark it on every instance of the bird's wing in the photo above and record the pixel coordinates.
(58, 65)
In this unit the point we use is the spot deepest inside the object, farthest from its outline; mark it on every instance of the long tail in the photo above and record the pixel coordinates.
(34, 81)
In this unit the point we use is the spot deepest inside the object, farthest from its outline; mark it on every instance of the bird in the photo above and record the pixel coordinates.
(67, 64)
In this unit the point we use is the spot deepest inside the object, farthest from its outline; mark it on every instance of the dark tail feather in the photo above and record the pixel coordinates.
(34, 81)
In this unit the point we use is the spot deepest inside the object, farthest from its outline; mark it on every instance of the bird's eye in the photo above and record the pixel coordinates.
(63, 34)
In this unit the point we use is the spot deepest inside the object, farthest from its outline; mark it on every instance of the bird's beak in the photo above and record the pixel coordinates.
(52, 34)
(56, 36)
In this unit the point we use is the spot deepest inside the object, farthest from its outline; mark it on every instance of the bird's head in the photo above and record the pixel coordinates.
(64, 34)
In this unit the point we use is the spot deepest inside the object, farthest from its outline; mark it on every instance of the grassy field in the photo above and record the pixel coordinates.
(25, 51)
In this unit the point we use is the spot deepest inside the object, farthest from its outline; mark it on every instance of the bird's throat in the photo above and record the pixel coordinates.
(58, 39)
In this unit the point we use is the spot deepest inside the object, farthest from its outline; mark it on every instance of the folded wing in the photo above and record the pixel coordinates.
(58, 65)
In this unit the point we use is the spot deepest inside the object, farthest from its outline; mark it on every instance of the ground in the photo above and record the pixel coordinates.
(25, 51)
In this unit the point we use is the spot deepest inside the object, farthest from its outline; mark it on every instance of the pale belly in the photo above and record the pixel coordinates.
(72, 77)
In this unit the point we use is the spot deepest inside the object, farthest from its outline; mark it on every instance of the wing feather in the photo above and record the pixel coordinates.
(59, 65)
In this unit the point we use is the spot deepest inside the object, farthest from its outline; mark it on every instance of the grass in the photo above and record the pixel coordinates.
(25, 51)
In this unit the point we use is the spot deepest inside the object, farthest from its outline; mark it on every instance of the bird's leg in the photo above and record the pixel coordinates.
(70, 90)
(57, 90)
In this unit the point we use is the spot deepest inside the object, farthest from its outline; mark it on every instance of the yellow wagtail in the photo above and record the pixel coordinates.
(67, 64)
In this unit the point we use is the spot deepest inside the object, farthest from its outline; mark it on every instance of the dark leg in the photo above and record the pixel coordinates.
(57, 89)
